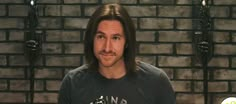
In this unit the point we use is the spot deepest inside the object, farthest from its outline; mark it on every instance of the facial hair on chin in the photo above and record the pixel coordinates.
(109, 54)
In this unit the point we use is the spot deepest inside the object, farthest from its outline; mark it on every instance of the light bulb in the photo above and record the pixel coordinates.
(32, 2)
(203, 2)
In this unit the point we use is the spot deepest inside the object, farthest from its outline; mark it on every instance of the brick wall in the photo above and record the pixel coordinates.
(164, 35)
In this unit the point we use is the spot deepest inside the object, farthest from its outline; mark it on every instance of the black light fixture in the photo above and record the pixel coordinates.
(33, 45)
(203, 39)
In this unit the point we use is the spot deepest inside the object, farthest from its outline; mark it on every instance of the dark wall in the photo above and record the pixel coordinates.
(164, 35)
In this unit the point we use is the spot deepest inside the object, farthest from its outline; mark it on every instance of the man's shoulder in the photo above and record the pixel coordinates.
(78, 71)
(150, 70)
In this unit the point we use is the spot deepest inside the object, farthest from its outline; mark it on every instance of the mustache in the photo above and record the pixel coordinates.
(110, 53)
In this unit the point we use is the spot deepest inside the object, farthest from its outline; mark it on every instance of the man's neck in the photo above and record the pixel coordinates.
(114, 72)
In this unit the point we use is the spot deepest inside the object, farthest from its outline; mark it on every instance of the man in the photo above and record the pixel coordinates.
(111, 75)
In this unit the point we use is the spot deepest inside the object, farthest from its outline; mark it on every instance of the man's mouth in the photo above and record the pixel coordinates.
(107, 53)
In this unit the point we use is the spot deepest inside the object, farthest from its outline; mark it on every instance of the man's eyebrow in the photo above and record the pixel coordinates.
(117, 34)
(100, 32)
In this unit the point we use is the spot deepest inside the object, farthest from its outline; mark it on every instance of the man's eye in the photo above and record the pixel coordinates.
(100, 37)
(116, 38)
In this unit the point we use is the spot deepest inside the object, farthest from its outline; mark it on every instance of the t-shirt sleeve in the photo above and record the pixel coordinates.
(157, 85)
(64, 92)
(167, 92)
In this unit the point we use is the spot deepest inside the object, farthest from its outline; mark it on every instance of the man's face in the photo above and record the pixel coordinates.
(109, 43)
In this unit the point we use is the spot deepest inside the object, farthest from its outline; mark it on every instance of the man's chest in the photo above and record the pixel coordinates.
(112, 92)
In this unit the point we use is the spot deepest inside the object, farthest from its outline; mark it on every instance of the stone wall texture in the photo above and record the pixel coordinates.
(164, 36)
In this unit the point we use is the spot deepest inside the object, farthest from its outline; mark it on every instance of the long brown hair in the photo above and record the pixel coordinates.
(111, 12)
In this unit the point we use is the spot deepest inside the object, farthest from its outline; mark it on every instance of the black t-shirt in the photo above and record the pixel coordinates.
(149, 86)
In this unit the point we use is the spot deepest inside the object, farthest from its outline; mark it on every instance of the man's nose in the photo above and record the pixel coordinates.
(108, 45)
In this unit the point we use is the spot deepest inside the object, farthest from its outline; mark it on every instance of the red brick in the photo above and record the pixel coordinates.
(225, 49)
(145, 36)
(174, 11)
(11, 73)
(181, 86)
(39, 85)
(75, 23)
(52, 10)
(11, 48)
(219, 62)
(221, 37)
(11, 1)
(156, 48)
(223, 24)
(19, 85)
(62, 60)
(2, 10)
(153, 23)
(49, 23)
(16, 35)
(218, 87)
(157, 1)
(184, 1)
(141, 11)
(22, 10)
(190, 99)
(80, 1)
(233, 85)
(11, 23)
(3, 60)
(184, 49)
(174, 36)
(48, 73)
(53, 85)
(220, 11)
(49, 1)
(51, 48)
(45, 97)
(174, 61)
(63, 36)
(22, 60)
(120, 1)
(71, 10)
(189, 74)
(224, 74)
(11, 97)
(198, 86)
(184, 23)
(2, 35)
(74, 48)
(3, 85)
(224, 2)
